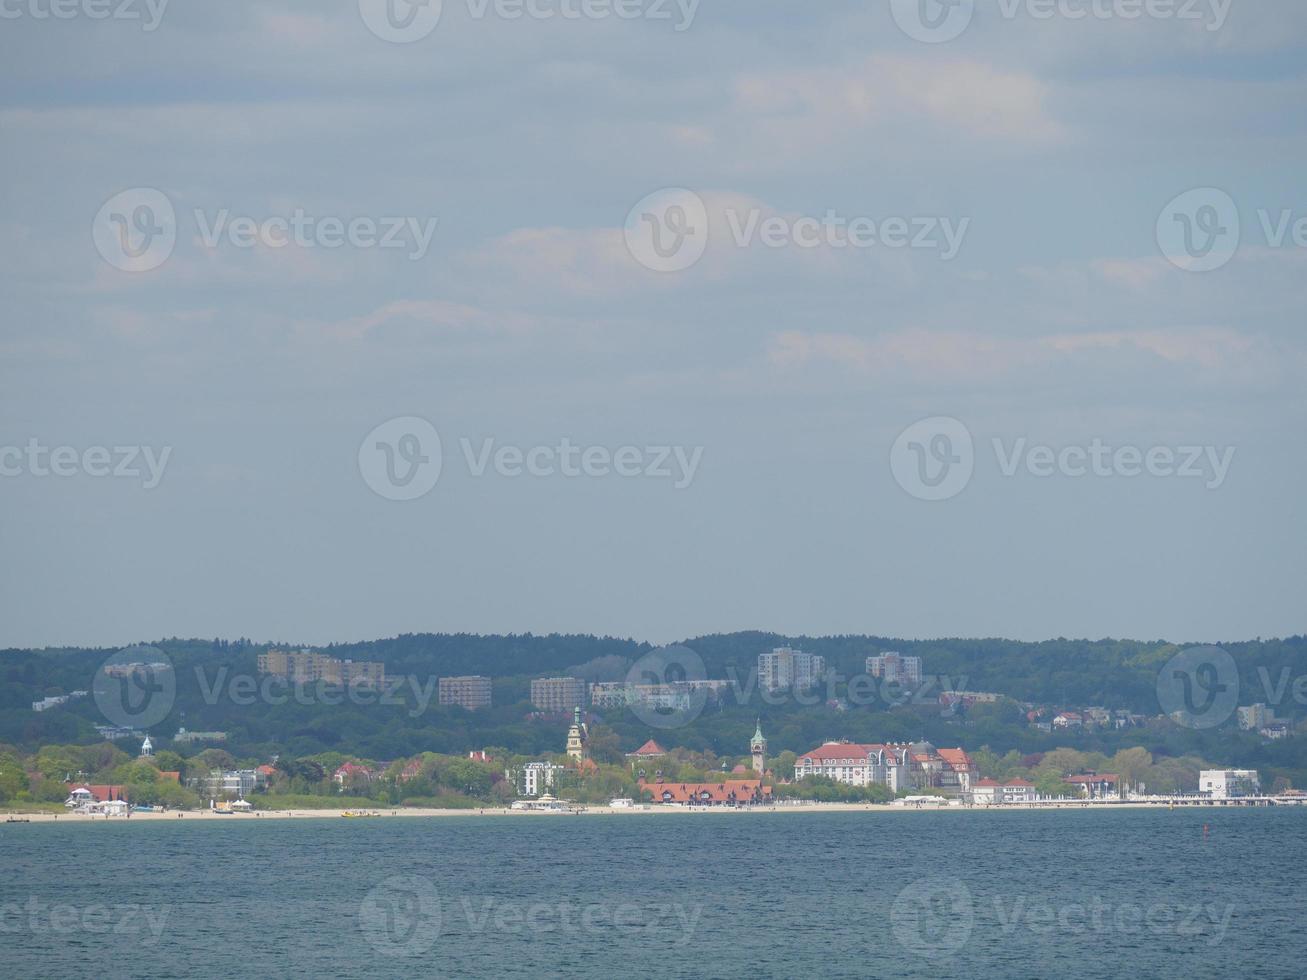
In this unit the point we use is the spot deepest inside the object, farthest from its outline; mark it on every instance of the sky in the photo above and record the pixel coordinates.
(325, 321)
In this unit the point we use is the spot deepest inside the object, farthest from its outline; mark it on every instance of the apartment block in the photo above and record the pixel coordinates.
(894, 668)
(787, 669)
(309, 666)
(557, 695)
(470, 692)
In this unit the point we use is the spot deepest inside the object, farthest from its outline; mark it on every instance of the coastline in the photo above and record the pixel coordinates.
(262, 816)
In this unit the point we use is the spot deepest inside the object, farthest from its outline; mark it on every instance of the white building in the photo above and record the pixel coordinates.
(557, 695)
(678, 696)
(534, 778)
(991, 792)
(855, 764)
(787, 669)
(230, 782)
(894, 668)
(1224, 784)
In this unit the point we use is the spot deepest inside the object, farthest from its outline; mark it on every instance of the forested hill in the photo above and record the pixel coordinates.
(1112, 673)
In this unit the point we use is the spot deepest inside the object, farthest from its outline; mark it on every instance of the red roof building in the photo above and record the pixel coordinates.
(730, 792)
(649, 750)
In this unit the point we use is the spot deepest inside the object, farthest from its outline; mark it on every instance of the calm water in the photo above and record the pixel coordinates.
(1018, 894)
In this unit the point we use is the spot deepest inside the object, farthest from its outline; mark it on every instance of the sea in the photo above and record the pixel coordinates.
(1014, 894)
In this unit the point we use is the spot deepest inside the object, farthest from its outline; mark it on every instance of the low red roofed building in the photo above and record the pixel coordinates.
(1068, 719)
(353, 773)
(729, 792)
(99, 793)
(649, 750)
(412, 770)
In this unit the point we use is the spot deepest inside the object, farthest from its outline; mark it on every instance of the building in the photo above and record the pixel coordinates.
(787, 669)
(1255, 717)
(855, 764)
(229, 782)
(557, 695)
(1225, 784)
(309, 667)
(729, 792)
(949, 770)
(677, 696)
(991, 792)
(758, 749)
(469, 693)
(147, 748)
(534, 778)
(352, 774)
(183, 737)
(649, 750)
(894, 668)
(45, 704)
(577, 737)
(1096, 785)
(1065, 720)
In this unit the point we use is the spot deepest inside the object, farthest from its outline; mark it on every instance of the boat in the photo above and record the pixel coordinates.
(18, 820)
(360, 813)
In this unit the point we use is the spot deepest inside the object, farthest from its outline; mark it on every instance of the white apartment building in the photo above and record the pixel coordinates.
(788, 669)
(895, 668)
(1254, 717)
(672, 697)
(534, 778)
(1224, 784)
(854, 764)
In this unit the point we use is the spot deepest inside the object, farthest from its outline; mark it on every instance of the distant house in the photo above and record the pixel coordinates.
(649, 750)
(412, 770)
(1068, 719)
(1095, 785)
(729, 792)
(94, 793)
(991, 792)
(351, 772)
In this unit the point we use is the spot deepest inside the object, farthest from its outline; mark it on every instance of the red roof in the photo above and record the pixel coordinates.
(102, 793)
(727, 791)
(837, 752)
(957, 758)
(650, 748)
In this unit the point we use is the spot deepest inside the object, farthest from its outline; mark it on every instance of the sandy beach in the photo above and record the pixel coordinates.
(261, 816)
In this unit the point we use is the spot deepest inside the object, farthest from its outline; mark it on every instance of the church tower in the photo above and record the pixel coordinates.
(147, 748)
(758, 749)
(577, 736)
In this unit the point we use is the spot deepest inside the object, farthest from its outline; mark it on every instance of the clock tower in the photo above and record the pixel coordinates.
(758, 749)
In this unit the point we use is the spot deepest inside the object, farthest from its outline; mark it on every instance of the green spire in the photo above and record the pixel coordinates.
(757, 732)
